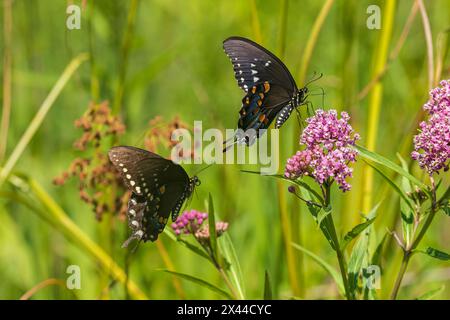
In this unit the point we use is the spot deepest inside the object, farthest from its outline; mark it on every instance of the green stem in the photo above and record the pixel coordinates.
(7, 67)
(339, 253)
(126, 46)
(401, 273)
(228, 282)
(222, 272)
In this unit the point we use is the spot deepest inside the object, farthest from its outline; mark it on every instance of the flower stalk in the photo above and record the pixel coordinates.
(329, 222)
(192, 222)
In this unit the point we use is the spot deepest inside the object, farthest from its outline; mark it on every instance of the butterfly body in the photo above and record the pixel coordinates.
(270, 90)
(158, 188)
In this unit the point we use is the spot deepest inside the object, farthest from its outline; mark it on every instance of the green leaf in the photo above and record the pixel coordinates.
(446, 209)
(328, 268)
(446, 196)
(227, 249)
(197, 250)
(357, 257)
(267, 287)
(406, 184)
(375, 260)
(212, 228)
(355, 232)
(407, 214)
(321, 216)
(394, 186)
(375, 157)
(297, 182)
(377, 255)
(431, 294)
(200, 282)
(310, 190)
(318, 217)
(437, 254)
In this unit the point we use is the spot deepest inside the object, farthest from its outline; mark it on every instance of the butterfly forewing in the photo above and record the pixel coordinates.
(254, 64)
(157, 184)
(268, 84)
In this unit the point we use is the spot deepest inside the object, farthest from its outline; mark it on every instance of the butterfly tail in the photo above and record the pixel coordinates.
(127, 242)
(228, 145)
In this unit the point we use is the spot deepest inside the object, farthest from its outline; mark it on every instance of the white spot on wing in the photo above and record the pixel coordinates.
(254, 72)
(139, 233)
(255, 79)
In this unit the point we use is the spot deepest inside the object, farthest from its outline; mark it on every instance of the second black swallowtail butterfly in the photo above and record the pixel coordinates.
(158, 188)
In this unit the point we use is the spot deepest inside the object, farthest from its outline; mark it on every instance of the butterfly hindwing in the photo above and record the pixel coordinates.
(158, 186)
(260, 106)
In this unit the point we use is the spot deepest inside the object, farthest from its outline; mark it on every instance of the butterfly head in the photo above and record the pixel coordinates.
(303, 91)
(301, 95)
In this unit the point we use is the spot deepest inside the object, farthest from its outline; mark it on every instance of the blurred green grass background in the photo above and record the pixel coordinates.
(173, 64)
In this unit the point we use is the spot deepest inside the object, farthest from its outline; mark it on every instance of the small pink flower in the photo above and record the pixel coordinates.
(327, 154)
(192, 222)
(432, 144)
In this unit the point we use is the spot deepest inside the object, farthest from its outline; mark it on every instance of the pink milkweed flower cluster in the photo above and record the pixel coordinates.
(328, 151)
(192, 222)
(432, 144)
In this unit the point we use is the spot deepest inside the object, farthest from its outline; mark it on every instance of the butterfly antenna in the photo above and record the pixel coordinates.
(203, 169)
(314, 78)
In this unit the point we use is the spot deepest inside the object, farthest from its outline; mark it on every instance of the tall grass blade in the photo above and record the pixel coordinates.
(40, 115)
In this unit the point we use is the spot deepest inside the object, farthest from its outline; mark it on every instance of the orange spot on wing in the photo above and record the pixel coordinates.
(266, 87)
(262, 116)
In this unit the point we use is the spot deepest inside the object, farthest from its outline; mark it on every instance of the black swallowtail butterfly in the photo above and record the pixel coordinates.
(271, 91)
(159, 188)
